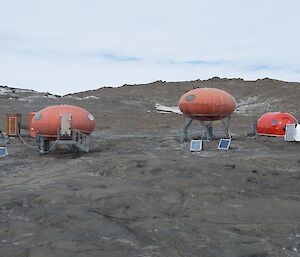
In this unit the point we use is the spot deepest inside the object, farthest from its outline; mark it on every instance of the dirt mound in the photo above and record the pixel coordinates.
(140, 192)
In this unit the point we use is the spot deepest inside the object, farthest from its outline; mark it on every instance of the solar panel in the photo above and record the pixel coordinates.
(224, 144)
(196, 145)
(3, 151)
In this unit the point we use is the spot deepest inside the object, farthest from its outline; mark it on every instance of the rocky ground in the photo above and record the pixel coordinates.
(140, 192)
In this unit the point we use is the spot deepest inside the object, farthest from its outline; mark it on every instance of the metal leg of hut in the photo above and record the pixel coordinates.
(43, 145)
(226, 123)
(207, 130)
(188, 122)
(74, 150)
(57, 151)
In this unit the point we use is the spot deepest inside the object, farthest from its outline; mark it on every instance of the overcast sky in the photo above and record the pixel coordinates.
(64, 46)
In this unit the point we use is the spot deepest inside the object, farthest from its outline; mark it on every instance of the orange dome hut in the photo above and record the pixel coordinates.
(273, 123)
(207, 105)
(47, 121)
(63, 125)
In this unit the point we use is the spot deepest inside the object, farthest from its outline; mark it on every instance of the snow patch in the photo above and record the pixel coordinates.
(167, 109)
(82, 98)
(126, 241)
(250, 106)
(10, 90)
(91, 97)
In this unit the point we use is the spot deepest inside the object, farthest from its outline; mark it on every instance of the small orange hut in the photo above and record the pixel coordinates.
(273, 123)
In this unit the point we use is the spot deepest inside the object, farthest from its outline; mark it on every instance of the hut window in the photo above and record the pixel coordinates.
(38, 116)
(274, 122)
(91, 117)
(190, 98)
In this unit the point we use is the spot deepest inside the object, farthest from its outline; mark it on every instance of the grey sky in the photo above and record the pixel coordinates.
(64, 46)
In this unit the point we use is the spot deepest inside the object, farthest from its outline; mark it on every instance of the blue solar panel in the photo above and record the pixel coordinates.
(224, 144)
(3, 151)
(196, 145)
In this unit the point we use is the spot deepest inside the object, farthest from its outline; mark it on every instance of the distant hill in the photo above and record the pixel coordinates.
(253, 97)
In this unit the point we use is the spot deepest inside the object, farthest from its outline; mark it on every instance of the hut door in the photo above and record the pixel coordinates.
(65, 124)
(12, 126)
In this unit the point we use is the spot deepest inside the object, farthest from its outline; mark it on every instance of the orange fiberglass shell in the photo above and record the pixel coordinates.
(207, 104)
(273, 123)
(46, 122)
(30, 128)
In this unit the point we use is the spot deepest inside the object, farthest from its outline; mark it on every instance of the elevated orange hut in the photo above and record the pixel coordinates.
(47, 121)
(207, 104)
(273, 123)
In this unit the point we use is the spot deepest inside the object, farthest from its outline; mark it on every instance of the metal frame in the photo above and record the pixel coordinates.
(77, 141)
(206, 131)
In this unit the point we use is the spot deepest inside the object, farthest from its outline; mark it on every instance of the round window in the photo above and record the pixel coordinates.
(274, 122)
(38, 116)
(91, 117)
(190, 98)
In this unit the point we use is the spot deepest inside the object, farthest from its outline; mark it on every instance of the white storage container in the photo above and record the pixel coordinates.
(297, 133)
